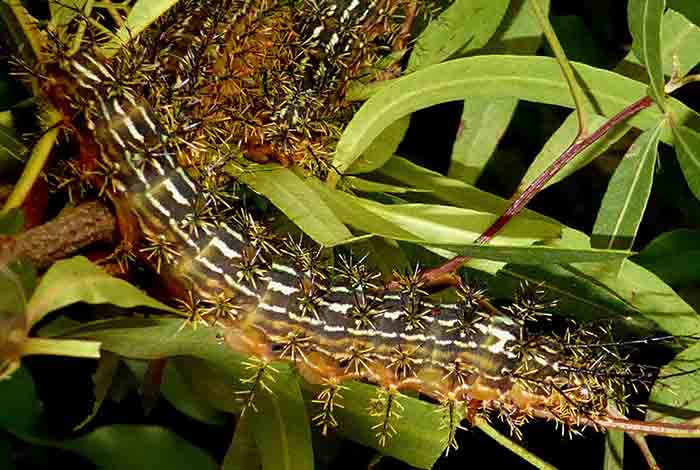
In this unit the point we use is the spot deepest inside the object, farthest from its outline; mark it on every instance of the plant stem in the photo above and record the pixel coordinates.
(40, 155)
(521, 200)
(512, 446)
(565, 65)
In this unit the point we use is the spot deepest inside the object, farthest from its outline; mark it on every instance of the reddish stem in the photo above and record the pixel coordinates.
(519, 203)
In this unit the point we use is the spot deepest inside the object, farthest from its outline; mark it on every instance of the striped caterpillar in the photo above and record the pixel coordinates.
(277, 299)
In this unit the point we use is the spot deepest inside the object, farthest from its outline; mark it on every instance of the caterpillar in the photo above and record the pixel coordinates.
(155, 125)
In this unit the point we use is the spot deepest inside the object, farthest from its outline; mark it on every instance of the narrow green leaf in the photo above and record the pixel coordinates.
(535, 79)
(561, 139)
(366, 186)
(689, 8)
(614, 450)
(291, 194)
(126, 446)
(484, 120)
(101, 380)
(674, 257)
(593, 291)
(644, 17)
(465, 22)
(680, 39)
(242, 454)
(625, 200)
(78, 280)
(483, 123)
(427, 223)
(381, 149)
(687, 144)
(539, 254)
(420, 439)
(62, 13)
(281, 426)
(449, 190)
(142, 14)
(679, 43)
(674, 397)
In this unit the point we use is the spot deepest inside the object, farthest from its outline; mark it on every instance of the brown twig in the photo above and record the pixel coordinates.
(71, 231)
(646, 428)
(520, 201)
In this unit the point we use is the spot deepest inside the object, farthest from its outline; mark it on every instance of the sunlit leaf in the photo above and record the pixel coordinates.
(142, 14)
(644, 18)
(535, 79)
(291, 194)
(484, 120)
(687, 144)
(78, 280)
(561, 139)
(626, 198)
(281, 427)
(426, 223)
(464, 22)
(381, 149)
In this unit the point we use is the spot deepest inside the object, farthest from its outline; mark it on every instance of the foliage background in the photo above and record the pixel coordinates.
(594, 32)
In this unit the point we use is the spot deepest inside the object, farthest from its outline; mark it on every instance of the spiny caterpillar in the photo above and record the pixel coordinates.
(268, 79)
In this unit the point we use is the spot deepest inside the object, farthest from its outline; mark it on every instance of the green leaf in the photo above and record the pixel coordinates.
(126, 446)
(644, 17)
(465, 22)
(483, 123)
(366, 186)
(484, 120)
(679, 39)
(64, 12)
(449, 190)
(142, 14)
(281, 427)
(689, 8)
(687, 145)
(674, 257)
(427, 223)
(561, 139)
(535, 79)
(242, 454)
(115, 447)
(626, 198)
(614, 450)
(292, 195)
(381, 149)
(102, 380)
(594, 291)
(539, 254)
(78, 280)
(420, 438)
(674, 397)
